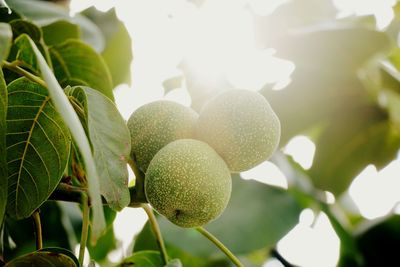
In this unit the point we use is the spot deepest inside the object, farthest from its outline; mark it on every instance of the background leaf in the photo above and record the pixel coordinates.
(348, 144)
(5, 41)
(143, 259)
(45, 258)
(118, 49)
(111, 144)
(60, 31)
(3, 157)
(44, 13)
(38, 144)
(76, 63)
(20, 26)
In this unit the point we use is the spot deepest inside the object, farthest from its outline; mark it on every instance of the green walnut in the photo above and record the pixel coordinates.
(241, 126)
(188, 183)
(156, 124)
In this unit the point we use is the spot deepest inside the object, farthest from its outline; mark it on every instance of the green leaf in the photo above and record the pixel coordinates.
(3, 153)
(44, 13)
(330, 45)
(143, 259)
(107, 241)
(49, 257)
(60, 31)
(20, 26)
(325, 80)
(257, 216)
(25, 52)
(38, 146)
(118, 50)
(5, 41)
(76, 63)
(391, 101)
(348, 144)
(78, 133)
(111, 144)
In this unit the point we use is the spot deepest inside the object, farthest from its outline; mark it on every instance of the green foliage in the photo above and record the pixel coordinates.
(118, 49)
(60, 31)
(76, 63)
(38, 144)
(56, 80)
(42, 14)
(3, 153)
(111, 144)
(188, 183)
(48, 257)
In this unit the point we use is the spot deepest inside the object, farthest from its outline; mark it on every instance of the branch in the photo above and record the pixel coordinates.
(38, 229)
(221, 246)
(14, 66)
(157, 232)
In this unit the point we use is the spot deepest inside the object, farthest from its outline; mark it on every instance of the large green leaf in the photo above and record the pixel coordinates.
(3, 153)
(349, 143)
(71, 119)
(330, 46)
(20, 26)
(76, 63)
(325, 80)
(257, 216)
(118, 49)
(44, 13)
(143, 259)
(49, 257)
(60, 31)
(5, 41)
(38, 144)
(111, 144)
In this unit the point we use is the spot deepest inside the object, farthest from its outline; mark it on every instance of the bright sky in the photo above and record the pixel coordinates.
(162, 33)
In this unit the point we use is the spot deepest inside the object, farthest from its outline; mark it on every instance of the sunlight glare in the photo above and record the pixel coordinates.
(267, 173)
(376, 193)
(127, 224)
(302, 149)
(316, 245)
(381, 9)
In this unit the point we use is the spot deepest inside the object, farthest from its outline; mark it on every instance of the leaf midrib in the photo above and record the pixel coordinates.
(35, 121)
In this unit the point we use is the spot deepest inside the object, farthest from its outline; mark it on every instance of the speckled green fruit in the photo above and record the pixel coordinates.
(241, 126)
(156, 124)
(188, 183)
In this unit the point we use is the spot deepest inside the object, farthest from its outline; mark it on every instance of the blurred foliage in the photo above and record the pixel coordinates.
(344, 94)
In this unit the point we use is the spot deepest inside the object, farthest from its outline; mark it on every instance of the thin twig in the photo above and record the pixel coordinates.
(38, 229)
(280, 258)
(156, 231)
(221, 246)
(85, 228)
(17, 69)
